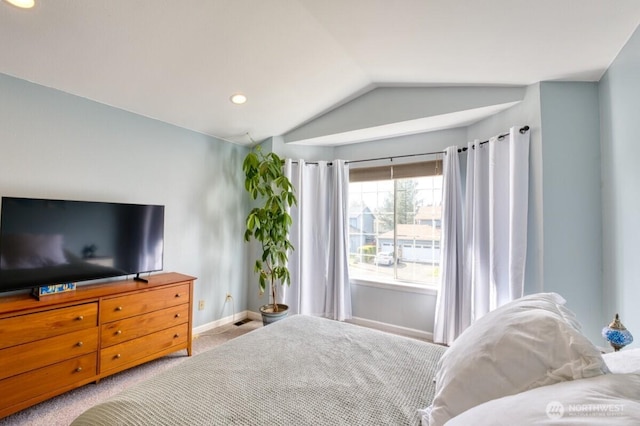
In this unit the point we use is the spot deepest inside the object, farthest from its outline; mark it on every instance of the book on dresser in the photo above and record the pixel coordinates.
(67, 340)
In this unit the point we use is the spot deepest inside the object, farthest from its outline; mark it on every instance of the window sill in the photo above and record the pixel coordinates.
(395, 286)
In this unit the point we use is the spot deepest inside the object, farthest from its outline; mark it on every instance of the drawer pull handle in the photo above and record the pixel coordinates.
(177, 294)
(80, 317)
(119, 332)
(117, 356)
(177, 315)
(119, 308)
(79, 369)
(175, 336)
(80, 344)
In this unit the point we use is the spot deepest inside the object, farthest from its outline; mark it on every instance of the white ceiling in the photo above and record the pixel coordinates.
(180, 61)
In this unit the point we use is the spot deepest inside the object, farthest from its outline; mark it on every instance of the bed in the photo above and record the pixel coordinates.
(526, 362)
(299, 371)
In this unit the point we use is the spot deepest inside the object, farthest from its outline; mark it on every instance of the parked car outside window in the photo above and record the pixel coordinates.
(384, 258)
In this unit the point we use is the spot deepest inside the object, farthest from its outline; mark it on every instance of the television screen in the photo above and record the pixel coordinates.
(45, 242)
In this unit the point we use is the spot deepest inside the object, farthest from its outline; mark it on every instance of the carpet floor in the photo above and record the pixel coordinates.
(63, 409)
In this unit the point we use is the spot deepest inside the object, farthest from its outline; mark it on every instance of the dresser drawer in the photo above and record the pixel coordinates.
(122, 307)
(117, 332)
(17, 389)
(118, 356)
(41, 325)
(29, 356)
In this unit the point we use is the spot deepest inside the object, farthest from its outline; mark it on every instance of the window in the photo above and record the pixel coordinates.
(395, 224)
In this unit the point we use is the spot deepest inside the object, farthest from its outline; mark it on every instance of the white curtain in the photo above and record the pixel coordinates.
(319, 234)
(451, 316)
(493, 234)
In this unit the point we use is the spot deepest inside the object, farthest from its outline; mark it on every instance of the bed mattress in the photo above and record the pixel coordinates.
(299, 371)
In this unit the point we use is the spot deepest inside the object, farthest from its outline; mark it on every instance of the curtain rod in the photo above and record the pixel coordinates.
(523, 130)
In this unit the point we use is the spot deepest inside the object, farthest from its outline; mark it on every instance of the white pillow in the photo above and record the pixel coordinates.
(624, 361)
(611, 399)
(530, 342)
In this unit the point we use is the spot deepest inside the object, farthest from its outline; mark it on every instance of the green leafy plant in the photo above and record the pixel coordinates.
(270, 222)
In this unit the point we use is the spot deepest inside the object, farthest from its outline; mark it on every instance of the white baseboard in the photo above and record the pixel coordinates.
(391, 328)
(255, 316)
(224, 321)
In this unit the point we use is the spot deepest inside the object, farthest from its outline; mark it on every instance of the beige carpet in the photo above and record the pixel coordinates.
(62, 409)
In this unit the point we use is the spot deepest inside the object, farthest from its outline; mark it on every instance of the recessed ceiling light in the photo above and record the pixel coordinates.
(23, 4)
(238, 99)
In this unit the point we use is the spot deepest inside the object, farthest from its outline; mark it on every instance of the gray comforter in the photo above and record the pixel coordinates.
(298, 371)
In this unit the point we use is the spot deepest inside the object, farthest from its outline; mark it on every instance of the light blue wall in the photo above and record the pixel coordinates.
(572, 199)
(620, 116)
(55, 145)
(564, 239)
(403, 145)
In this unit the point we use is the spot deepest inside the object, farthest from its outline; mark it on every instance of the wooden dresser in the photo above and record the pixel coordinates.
(67, 340)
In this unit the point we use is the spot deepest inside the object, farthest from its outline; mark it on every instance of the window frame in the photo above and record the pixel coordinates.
(394, 172)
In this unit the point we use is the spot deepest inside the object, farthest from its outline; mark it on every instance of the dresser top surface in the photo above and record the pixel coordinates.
(25, 302)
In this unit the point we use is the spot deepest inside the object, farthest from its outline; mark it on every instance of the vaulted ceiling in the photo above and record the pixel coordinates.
(298, 60)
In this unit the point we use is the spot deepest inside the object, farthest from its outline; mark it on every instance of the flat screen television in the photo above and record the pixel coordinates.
(44, 242)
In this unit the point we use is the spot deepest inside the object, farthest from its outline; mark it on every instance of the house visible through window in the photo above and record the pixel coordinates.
(395, 224)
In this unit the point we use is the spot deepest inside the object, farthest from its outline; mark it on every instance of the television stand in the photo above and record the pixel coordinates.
(67, 340)
(142, 280)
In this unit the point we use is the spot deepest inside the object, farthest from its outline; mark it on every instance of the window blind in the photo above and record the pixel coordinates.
(396, 171)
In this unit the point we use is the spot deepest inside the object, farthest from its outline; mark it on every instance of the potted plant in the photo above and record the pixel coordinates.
(269, 224)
